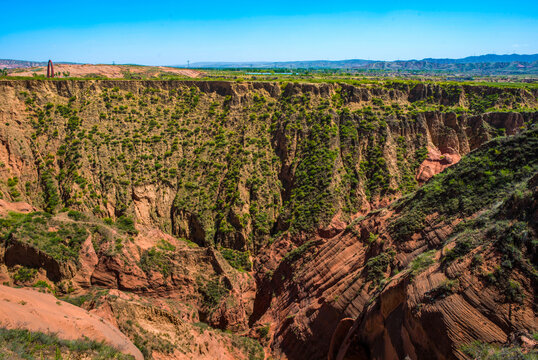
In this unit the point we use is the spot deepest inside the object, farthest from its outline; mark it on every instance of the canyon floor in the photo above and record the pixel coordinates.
(195, 219)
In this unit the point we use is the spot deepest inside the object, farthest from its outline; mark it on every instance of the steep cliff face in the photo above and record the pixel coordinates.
(453, 263)
(236, 163)
(156, 196)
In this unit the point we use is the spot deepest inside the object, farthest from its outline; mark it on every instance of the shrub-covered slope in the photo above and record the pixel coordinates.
(233, 164)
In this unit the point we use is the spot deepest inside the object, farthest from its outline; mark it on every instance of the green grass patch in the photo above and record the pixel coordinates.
(37, 345)
(421, 262)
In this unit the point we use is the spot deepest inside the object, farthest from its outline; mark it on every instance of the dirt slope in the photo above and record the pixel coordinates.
(36, 311)
(108, 71)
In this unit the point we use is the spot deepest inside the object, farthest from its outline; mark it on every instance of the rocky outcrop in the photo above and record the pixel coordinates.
(21, 253)
(435, 163)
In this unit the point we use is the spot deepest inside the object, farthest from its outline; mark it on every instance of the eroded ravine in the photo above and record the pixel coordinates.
(171, 182)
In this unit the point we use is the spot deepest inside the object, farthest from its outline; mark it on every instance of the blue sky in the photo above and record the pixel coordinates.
(172, 32)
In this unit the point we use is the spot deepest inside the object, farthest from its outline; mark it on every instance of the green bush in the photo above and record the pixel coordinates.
(126, 224)
(264, 331)
(377, 266)
(298, 252)
(212, 292)
(462, 247)
(155, 260)
(408, 224)
(75, 215)
(239, 260)
(24, 274)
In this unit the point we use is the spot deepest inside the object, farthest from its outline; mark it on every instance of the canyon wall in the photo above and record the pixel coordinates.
(234, 164)
(343, 220)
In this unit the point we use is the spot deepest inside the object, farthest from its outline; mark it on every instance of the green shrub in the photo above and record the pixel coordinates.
(75, 215)
(212, 292)
(462, 247)
(126, 224)
(165, 245)
(155, 260)
(377, 266)
(239, 260)
(24, 274)
(408, 224)
(264, 331)
(298, 252)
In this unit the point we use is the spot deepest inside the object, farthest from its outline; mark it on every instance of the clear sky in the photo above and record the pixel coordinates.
(172, 32)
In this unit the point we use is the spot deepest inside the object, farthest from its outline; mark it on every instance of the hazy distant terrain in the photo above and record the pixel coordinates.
(484, 64)
(490, 64)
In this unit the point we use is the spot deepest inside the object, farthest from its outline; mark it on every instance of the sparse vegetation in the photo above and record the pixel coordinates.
(484, 351)
(212, 292)
(376, 267)
(24, 274)
(299, 251)
(155, 259)
(62, 241)
(421, 262)
(37, 345)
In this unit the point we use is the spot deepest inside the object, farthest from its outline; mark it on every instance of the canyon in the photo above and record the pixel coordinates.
(382, 219)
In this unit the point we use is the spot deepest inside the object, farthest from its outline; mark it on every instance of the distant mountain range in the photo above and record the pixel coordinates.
(473, 65)
(13, 64)
(16, 64)
(489, 58)
(490, 63)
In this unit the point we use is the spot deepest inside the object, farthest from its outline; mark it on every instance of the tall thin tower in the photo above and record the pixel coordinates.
(50, 69)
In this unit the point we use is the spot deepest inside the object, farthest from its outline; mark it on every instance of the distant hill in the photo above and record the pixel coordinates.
(484, 64)
(490, 64)
(106, 71)
(18, 64)
(489, 58)
(14, 64)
